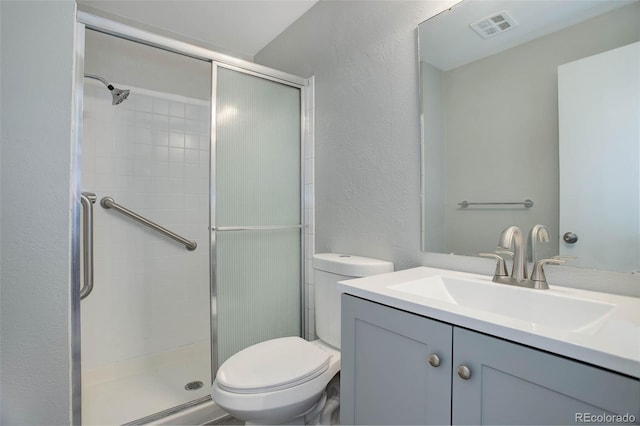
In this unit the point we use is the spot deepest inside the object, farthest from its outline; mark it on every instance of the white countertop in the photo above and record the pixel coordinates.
(612, 343)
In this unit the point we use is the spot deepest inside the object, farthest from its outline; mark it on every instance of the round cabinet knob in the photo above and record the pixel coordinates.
(434, 360)
(464, 372)
(570, 237)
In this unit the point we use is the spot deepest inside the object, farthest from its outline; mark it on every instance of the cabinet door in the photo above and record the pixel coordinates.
(515, 384)
(386, 377)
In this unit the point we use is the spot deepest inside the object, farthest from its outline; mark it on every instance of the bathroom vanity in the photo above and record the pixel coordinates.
(430, 346)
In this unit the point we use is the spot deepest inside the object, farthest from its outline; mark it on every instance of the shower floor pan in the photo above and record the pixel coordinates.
(134, 389)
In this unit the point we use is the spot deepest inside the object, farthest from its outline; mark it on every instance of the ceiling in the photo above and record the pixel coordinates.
(447, 40)
(238, 27)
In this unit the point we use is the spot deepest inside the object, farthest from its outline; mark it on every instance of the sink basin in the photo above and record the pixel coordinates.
(537, 307)
(593, 327)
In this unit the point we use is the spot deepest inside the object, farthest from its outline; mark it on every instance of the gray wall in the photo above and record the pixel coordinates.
(37, 75)
(364, 58)
(363, 55)
(502, 130)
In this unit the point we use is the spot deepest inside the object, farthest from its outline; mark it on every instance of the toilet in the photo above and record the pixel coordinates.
(284, 380)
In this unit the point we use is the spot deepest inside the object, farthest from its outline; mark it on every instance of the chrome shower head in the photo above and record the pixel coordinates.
(119, 95)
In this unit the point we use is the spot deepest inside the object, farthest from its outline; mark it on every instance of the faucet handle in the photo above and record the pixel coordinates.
(501, 268)
(504, 251)
(564, 257)
(538, 276)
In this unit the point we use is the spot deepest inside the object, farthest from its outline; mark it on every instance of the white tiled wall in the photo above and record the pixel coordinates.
(151, 154)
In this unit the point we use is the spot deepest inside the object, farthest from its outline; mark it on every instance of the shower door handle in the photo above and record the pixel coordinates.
(87, 199)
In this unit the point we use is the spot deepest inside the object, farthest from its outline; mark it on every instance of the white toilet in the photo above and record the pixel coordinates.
(283, 381)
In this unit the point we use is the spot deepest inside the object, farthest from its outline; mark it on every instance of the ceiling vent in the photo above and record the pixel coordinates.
(497, 23)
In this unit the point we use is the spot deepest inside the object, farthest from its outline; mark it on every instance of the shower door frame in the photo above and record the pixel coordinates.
(306, 86)
(215, 65)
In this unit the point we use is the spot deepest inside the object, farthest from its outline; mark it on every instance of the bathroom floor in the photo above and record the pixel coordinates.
(138, 388)
(228, 421)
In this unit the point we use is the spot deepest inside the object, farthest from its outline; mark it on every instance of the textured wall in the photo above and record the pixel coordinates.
(363, 55)
(37, 75)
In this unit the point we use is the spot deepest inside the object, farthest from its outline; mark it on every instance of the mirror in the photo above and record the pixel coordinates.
(493, 131)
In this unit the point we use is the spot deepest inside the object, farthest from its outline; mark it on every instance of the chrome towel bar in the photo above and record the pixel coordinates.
(527, 203)
(109, 203)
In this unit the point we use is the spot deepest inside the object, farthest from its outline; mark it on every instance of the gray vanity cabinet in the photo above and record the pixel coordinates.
(385, 373)
(514, 384)
(387, 378)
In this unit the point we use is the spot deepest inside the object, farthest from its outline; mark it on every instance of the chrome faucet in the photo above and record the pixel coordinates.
(538, 277)
(512, 236)
(539, 233)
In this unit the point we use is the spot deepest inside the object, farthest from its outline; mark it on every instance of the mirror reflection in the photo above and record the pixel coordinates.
(531, 115)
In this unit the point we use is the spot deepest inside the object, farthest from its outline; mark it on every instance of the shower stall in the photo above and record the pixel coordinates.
(193, 219)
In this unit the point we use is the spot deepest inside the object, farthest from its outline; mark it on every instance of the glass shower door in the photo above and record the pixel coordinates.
(256, 212)
(146, 324)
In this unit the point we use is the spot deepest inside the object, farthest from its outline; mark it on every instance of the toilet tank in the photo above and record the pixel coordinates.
(328, 269)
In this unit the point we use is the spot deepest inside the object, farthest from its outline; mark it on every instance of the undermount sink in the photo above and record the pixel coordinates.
(544, 308)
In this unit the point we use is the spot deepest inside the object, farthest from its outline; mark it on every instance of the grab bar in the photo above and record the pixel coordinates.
(109, 203)
(527, 203)
(87, 199)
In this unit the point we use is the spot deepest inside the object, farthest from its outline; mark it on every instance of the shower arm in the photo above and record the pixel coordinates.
(97, 77)
(118, 95)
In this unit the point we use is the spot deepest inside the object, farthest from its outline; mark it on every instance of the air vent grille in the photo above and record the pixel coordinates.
(497, 23)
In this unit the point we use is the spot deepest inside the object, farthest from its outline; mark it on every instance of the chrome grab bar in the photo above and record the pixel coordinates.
(527, 203)
(109, 203)
(87, 199)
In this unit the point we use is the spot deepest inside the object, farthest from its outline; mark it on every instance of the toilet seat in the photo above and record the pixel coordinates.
(275, 407)
(273, 365)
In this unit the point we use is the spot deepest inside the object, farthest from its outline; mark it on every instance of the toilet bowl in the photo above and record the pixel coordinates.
(283, 381)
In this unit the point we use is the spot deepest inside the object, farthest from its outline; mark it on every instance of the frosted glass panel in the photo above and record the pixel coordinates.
(258, 177)
(258, 151)
(258, 274)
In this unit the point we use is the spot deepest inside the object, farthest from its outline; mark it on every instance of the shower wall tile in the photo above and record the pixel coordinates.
(160, 107)
(151, 294)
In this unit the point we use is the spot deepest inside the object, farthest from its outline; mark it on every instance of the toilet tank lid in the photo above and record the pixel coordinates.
(349, 265)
